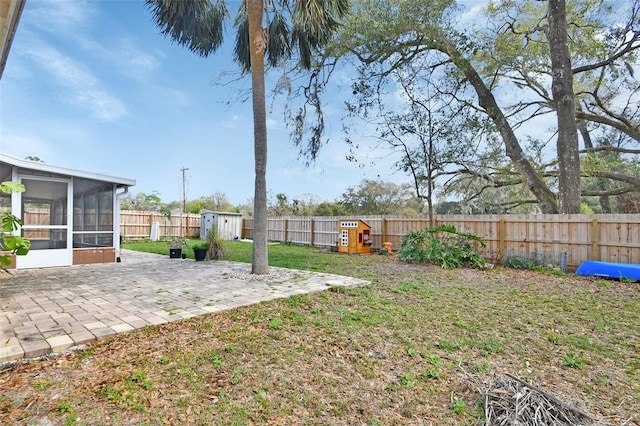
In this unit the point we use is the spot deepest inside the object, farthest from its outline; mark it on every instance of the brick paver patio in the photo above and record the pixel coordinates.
(50, 310)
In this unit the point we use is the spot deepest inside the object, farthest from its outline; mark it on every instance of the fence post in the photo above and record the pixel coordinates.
(311, 224)
(595, 238)
(150, 223)
(286, 230)
(515, 237)
(502, 230)
(384, 230)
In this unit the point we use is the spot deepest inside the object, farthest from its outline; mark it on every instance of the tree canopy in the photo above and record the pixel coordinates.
(505, 76)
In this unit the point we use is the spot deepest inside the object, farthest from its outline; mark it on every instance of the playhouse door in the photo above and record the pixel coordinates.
(44, 209)
(353, 241)
(348, 241)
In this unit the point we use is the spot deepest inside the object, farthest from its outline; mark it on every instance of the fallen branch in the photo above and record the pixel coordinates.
(512, 401)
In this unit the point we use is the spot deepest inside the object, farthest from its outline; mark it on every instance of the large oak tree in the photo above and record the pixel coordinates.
(515, 70)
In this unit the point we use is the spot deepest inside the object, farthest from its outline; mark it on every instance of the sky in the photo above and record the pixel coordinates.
(93, 86)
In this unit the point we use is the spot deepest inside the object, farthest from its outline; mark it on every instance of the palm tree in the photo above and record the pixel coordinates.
(198, 25)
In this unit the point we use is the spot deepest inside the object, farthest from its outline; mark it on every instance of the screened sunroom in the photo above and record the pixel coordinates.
(71, 217)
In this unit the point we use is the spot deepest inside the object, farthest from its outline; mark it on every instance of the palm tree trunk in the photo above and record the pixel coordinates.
(257, 44)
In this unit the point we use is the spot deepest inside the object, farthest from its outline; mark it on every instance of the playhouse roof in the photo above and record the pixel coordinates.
(47, 168)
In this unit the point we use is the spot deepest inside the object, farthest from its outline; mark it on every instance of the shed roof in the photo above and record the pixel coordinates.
(47, 168)
(220, 213)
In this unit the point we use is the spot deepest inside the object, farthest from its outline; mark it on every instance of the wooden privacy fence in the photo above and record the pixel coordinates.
(137, 224)
(607, 237)
(611, 238)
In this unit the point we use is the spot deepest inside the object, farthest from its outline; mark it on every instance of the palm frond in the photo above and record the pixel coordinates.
(195, 24)
(314, 23)
(305, 47)
(241, 51)
(278, 43)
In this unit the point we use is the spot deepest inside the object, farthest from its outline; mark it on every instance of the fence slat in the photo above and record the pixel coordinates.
(136, 224)
(606, 237)
(610, 238)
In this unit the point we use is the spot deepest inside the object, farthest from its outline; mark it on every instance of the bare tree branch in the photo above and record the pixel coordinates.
(609, 192)
(630, 131)
(609, 148)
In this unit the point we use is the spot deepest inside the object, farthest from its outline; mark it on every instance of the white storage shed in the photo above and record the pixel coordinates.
(228, 225)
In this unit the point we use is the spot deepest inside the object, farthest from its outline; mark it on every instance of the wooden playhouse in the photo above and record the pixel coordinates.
(354, 236)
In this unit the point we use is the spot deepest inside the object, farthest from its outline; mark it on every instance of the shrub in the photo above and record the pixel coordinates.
(13, 244)
(442, 245)
(200, 246)
(216, 249)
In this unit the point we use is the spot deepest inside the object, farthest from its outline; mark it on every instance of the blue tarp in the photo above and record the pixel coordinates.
(620, 271)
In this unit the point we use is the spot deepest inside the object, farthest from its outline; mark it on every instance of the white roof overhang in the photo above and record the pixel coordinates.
(47, 168)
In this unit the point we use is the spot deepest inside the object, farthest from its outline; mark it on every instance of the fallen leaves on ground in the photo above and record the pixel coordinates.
(408, 349)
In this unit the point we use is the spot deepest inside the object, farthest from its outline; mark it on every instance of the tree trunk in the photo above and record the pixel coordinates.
(546, 198)
(430, 157)
(563, 97)
(605, 202)
(257, 45)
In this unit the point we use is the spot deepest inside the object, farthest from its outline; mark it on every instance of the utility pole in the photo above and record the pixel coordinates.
(184, 200)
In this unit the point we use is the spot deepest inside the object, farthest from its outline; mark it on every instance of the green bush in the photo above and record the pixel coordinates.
(216, 249)
(520, 262)
(200, 245)
(442, 245)
(13, 244)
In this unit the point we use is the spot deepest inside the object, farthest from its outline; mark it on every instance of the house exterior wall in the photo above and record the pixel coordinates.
(98, 255)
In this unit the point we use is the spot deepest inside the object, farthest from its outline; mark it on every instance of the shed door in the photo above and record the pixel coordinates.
(44, 209)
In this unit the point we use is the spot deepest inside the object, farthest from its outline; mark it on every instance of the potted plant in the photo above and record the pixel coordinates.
(11, 245)
(175, 247)
(200, 250)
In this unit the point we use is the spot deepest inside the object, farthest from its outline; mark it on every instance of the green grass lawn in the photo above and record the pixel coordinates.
(417, 346)
(282, 255)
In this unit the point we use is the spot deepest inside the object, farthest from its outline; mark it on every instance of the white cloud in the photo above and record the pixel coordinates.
(61, 17)
(123, 56)
(179, 98)
(133, 60)
(76, 25)
(274, 124)
(233, 121)
(22, 145)
(81, 87)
